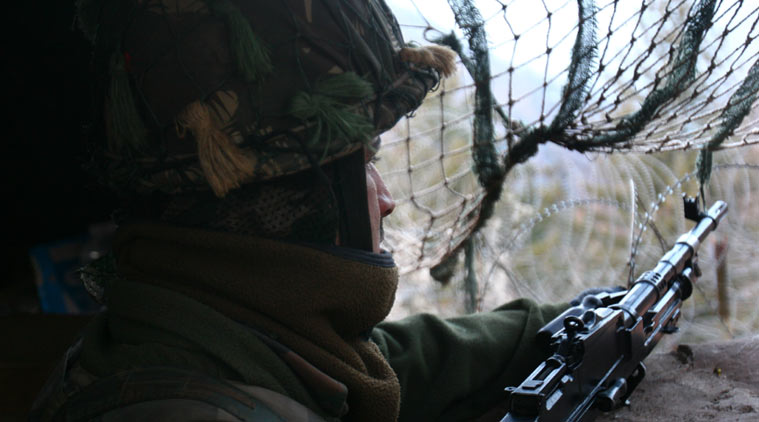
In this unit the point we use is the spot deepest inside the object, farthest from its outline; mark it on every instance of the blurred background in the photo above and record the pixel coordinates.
(598, 201)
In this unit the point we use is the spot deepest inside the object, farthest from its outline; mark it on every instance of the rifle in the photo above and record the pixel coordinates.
(598, 346)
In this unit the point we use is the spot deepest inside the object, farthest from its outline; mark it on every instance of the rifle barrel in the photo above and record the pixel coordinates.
(653, 284)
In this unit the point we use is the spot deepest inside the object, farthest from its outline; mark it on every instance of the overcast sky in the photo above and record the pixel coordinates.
(537, 33)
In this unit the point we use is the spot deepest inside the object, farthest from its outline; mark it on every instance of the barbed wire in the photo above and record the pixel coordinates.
(591, 76)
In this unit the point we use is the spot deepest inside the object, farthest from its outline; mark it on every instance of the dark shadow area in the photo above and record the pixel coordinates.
(47, 195)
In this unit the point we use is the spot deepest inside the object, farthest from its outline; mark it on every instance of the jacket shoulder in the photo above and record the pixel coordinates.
(150, 394)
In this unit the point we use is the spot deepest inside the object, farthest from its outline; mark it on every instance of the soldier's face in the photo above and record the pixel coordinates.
(381, 203)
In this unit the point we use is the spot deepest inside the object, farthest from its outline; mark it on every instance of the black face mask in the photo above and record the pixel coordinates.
(350, 190)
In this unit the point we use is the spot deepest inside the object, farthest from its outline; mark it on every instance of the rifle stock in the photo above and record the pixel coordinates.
(598, 347)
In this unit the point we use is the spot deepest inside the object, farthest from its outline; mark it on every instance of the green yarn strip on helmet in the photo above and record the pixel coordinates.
(328, 109)
(250, 52)
(126, 125)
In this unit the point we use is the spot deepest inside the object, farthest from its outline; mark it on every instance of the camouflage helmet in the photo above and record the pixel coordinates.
(200, 95)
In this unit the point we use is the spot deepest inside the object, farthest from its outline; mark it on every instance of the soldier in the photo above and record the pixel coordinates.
(246, 280)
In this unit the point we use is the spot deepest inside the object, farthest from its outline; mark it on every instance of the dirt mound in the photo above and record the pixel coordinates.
(713, 381)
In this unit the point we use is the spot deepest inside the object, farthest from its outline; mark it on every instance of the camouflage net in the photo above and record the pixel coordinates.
(594, 77)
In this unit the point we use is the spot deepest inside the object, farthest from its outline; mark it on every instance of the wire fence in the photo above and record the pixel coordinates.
(595, 78)
(589, 76)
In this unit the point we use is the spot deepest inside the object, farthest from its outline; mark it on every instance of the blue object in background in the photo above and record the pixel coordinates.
(58, 284)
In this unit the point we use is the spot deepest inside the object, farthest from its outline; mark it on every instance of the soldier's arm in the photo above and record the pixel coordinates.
(456, 369)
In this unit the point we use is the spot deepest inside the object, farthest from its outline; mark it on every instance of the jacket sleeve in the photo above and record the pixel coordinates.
(456, 369)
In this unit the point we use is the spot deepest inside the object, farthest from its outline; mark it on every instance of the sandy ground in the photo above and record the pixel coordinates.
(704, 382)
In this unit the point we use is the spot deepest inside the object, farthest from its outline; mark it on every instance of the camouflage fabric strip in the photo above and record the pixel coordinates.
(333, 86)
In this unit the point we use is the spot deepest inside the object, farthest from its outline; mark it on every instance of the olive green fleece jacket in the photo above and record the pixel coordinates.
(166, 315)
(456, 369)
